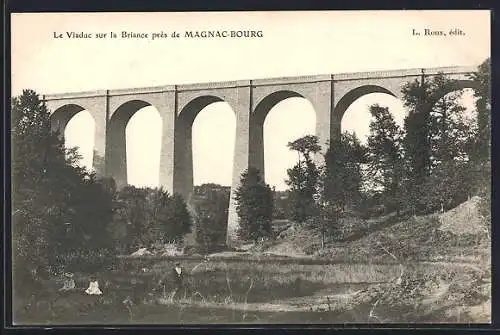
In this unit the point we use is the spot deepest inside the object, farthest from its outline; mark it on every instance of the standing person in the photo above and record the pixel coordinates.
(177, 279)
(178, 275)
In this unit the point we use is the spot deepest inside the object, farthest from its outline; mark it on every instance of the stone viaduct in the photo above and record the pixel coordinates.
(251, 100)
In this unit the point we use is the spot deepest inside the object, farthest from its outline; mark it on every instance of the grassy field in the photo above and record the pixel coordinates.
(252, 291)
(416, 270)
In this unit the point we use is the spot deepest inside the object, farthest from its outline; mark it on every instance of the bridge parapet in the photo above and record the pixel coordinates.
(292, 80)
(141, 90)
(450, 70)
(74, 95)
(213, 85)
(403, 73)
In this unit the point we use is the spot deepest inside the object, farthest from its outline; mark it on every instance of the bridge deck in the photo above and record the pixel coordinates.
(457, 70)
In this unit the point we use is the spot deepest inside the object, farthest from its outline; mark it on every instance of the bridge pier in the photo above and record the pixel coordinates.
(251, 100)
(167, 154)
(241, 161)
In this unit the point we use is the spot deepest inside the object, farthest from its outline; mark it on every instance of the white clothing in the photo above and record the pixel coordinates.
(93, 288)
(178, 270)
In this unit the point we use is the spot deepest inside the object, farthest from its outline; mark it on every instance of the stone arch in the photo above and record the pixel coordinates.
(256, 131)
(441, 106)
(458, 85)
(354, 94)
(188, 114)
(60, 118)
(183, 148)
(351, 96)
(267, 103)
(116, 143)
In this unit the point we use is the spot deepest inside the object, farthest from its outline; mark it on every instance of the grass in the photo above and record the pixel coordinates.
(407, 271)
(217, 282)
(220, 291)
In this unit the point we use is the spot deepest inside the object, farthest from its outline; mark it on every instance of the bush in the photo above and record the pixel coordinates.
(254, 206)
(85, 261)
(145, 216)
(211, 218)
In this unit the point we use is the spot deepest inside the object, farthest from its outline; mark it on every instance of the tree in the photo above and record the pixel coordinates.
(211, 218)
(342, 176)
(482, 93)
(303, 177)
(385, 159)
(58, 207)
(283, 207)
(254, 206)
(449, 185)
(93, 208)
(35, 152)
(118, 229)
(451, 133)
(327, 214)
(306, 146)
(416, 97)
(481, 160)
(436, 133)
(150, 216)
(134, 215)
(341, 179)
(177, 221)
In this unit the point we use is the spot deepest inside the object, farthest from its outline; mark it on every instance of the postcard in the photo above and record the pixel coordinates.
(273, 167)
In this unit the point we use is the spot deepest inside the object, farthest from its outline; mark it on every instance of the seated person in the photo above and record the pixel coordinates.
(69, 283)
(93, 288)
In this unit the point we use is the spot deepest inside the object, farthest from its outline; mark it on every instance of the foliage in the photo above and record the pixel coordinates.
(438, 144)
(430, 165)
(130, 217)
(254, 206)
(283, 206)
(416, 140)
(145, 216)
(305, 145)
(451, 133)
(481, 159)
(176, 220)
(339, 185)
(303, 177)
(385, 157)
(482, 93)
(58, 207)
(211, 216)
(326, 221)
(342, 172)
(481, 174)
(449, 185)
(208, 188)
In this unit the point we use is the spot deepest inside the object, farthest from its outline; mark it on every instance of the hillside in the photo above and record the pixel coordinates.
(459, 234)
(455, 245)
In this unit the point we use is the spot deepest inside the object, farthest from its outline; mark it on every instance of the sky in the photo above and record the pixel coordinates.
(292, 43)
